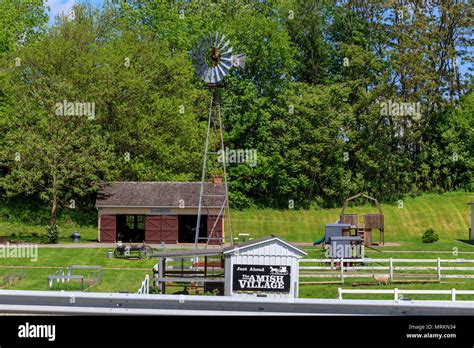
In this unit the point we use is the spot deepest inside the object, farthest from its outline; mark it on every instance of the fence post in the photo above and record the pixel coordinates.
(391, 270)
(339, 291)
(453, 295)
(342, 270)
(395, 294)
(147, 284)
(439, 269)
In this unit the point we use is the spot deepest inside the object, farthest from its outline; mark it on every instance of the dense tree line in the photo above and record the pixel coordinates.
(310, 99)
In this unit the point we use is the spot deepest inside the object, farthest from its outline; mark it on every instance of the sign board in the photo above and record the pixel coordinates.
(261, 278)
(160, 211)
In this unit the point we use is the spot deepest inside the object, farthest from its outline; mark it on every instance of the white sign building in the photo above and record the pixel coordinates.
(264, 267)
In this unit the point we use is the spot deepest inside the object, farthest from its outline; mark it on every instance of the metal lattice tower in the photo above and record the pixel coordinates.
(212, 60)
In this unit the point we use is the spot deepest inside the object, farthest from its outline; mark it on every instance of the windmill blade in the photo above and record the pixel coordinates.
(227, 58)
(225, 45)
(229, 50)
(208, 75)
(217, 77)
(223, 71)
(200, 69)
(227, 62)
(212, 76)
(208, 68)
(226, 66)
(220, 42)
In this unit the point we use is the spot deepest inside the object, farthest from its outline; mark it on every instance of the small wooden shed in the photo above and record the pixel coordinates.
(155, 212)
(263, 267)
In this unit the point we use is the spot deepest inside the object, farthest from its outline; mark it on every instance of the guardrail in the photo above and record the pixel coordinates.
(89, 303)
(396, 292)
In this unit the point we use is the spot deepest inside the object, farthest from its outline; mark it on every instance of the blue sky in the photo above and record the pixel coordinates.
(58, 6)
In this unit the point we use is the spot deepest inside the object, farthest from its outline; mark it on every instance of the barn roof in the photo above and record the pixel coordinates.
(156, 194)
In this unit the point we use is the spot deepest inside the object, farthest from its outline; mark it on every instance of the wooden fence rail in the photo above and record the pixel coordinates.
(145, 287)
(396, 292)
(340, 271)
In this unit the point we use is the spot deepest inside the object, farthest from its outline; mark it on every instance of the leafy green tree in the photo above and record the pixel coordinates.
(57, 153)
(21, 21)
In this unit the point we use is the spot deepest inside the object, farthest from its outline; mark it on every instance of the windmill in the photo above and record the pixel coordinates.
(213, 59)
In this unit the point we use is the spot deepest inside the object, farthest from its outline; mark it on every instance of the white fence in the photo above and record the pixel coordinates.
(397, 292)
(391, 268)
(145, 287)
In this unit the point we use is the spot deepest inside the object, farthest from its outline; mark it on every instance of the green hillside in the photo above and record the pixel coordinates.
(447, 214)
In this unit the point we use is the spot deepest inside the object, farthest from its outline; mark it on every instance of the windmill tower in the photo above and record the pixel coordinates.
(213, 59)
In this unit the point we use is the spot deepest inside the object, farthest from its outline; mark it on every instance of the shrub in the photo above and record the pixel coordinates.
(429, 236)
(52, 234)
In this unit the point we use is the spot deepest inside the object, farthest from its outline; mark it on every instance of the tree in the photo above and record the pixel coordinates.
(52, 146)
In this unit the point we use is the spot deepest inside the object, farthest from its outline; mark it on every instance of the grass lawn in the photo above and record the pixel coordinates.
(447, 214)
(127, 275)
(118, 274)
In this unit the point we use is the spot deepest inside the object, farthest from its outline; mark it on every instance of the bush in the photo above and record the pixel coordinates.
(52, 234)
(429, 236)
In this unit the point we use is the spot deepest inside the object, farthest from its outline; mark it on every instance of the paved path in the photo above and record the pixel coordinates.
(62, 267)
(191, 246)
(113, 245)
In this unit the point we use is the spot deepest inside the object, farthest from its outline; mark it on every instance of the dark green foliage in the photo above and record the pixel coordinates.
(315, 121)
(429, 236)
(52, 232)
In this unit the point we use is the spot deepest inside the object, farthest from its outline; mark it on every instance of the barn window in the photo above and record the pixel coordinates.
(131, 222)
(140, 222)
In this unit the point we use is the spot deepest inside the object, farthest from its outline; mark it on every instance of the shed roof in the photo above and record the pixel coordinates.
(227, 250)
(254, 242)
(155, 194)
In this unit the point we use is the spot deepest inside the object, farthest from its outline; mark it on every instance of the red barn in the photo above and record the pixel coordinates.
(157, 212)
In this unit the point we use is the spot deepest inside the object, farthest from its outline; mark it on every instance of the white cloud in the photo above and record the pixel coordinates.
(58, 7)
